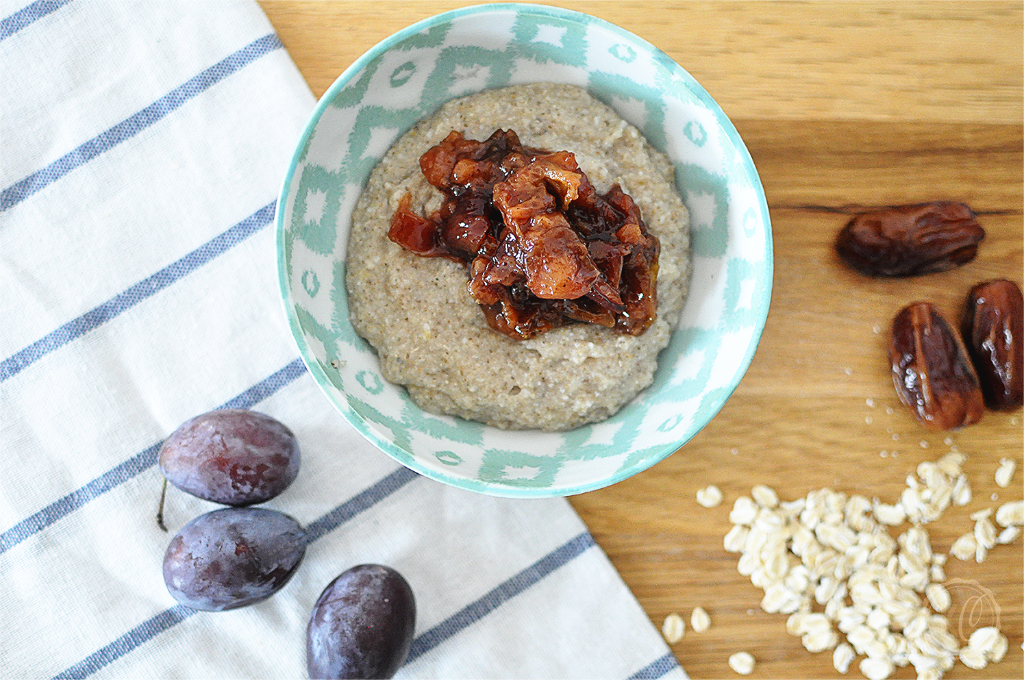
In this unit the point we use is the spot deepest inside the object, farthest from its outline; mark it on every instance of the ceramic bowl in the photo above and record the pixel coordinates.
(406, 78)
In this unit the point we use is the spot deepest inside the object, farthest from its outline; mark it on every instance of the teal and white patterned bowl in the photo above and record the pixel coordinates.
(407, 77)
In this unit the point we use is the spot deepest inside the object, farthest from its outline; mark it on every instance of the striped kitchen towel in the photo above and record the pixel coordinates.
(142, 145)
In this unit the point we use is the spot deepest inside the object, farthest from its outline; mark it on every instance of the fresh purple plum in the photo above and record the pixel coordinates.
(362, 625)
(233, 557)
(231, 456)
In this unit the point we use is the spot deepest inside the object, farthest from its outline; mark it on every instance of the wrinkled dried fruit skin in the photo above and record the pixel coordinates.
(232, 558)
(231, 456)
(362, 625)
(909, 240)
(931, 370)
(993, 329)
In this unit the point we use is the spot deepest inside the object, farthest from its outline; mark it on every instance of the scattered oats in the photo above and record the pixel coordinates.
(868, 420)
(843, 656)
(749, 562)
(938, 597)
(994, 497)
(674, 628)
(827, 588)
(951, 463)
(884, 594)
(833, 606)
(849, 618)
(876, 669)
(878, 619)
(700, 621)
(912, 504)
(964, 547)
(710, 496)
(769, 521)
(856, 505)
(860, 637)
(876, 649)
(998, 651)
(794, 507)
(848, 371)
(1004, 473)
(948, 441)
(926, 666)
(892, 515)
(813, 622)
(961, 490)
(1008, 535)
(888, 410)
(777, 565)
(742, 663)
(795, 623)
(924, 443)
(985, 533)
(870, 402)
(916, 579)
(947, 641)
(972, 658)
(978, 515)
(917, 627)
(736, 538)
(744, 511)
(777, 598)
(734, 451)
(883, 453)
(876, 329)
(819, 640)
(984, 639)
(765, 496)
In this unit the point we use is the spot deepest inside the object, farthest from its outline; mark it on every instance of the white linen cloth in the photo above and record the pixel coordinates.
(142, 147)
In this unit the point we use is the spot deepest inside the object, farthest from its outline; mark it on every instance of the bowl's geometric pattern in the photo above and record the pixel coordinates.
(409, 76)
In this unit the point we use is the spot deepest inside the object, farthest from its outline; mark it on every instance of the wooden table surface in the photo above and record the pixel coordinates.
(842, 106)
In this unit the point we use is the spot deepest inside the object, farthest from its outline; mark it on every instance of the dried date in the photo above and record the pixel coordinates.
(932, 371)
(909, 240)
(993, 330)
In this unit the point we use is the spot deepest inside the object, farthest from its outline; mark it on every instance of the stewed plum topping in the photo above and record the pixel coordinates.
(543, 248)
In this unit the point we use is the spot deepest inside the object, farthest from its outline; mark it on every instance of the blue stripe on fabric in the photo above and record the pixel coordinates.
(317, 529)
(136, 464)
(127, 642)
(138, 122)
(657, 668)
(357, 504)
(150, 629)
(137, 293)
(25, 16)
(477, 610)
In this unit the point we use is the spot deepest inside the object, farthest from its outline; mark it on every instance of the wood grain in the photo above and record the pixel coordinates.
(799, 420)
(842, 106)
(937, 61)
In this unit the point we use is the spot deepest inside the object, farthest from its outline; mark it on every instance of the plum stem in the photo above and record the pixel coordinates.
(160, 508)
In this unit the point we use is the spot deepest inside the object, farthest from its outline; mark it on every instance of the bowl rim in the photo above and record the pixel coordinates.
(407, 458)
